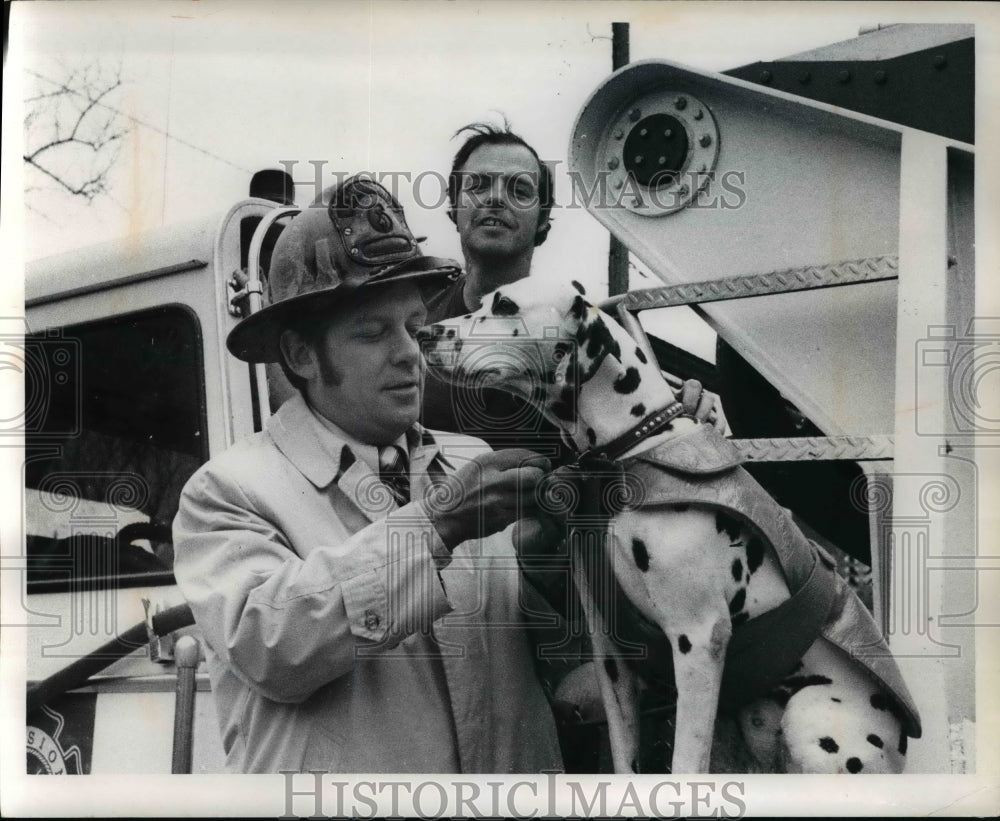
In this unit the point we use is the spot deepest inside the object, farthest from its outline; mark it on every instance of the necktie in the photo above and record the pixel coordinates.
(394, 472)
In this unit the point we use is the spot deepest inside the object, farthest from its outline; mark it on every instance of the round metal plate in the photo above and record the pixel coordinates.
(660, 152)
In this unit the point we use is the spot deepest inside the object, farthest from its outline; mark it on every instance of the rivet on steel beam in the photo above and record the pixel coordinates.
(613, 163)
(354, 252)
(619, 134)
(348, 231)
(643, 132)
(661, 161)
(805, 77)
(680, 103)
(765, 76)
(668, 133)
(618, 185)
(880, 77)
(940, 61)
(699, 114)
(705, 140)
(634, 115)
(638, 159)
(844, 76)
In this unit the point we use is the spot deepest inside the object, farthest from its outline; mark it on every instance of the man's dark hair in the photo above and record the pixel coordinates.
(490, 134)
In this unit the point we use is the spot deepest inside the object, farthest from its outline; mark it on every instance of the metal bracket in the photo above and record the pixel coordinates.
(161, 648)
(816, 448)
(242, 287)
(849, 272)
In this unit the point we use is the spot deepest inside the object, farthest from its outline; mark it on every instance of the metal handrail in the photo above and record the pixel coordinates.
(77, 673)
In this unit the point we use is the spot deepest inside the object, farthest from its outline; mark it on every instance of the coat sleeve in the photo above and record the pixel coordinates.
(286, 624)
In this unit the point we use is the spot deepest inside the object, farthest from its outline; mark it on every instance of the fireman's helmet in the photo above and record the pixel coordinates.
(354, 236)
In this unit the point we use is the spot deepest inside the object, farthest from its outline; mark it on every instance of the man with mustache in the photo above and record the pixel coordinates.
(351, 571)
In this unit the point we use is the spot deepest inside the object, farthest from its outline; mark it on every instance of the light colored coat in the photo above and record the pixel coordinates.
(341, 636)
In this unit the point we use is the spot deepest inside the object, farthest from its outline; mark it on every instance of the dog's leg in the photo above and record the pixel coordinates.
(673, 574)
(616, 680)
(699, 653)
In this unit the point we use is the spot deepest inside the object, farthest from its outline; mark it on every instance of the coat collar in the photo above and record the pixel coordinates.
(323, 458)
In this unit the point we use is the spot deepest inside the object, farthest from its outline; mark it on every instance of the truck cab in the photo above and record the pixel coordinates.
(128, 390)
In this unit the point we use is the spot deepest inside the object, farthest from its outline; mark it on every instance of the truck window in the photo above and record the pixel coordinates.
(115, 426)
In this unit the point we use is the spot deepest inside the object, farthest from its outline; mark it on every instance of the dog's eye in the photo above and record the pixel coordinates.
(504, 306)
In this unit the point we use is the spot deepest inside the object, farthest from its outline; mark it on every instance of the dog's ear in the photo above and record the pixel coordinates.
(579, 307)
(579, 287)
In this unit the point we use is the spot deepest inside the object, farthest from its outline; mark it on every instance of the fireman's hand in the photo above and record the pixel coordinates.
(486, 495)
(703, 405)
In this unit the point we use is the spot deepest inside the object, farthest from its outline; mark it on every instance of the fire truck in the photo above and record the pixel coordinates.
(839, 276)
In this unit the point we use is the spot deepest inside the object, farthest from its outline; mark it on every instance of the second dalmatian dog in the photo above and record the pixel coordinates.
(707, 560)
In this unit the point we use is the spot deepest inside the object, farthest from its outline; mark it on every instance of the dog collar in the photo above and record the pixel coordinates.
(655, 423)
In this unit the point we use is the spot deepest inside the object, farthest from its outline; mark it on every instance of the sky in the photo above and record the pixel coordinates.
(379, 86)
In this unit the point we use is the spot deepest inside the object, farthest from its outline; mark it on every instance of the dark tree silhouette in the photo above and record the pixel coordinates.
(73, 132)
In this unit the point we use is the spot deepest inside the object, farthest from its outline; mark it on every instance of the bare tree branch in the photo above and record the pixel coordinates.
(72, 135)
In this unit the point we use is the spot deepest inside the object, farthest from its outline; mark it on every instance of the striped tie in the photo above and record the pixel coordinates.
(394, 472)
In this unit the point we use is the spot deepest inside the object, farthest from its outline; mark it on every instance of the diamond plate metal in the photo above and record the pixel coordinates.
(850, 272)
(816, 448)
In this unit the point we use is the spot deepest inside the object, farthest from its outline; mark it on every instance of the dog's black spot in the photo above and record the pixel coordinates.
(578, 286)
(611, 669)
(879, 701)
(628, 381)
(737, 570)
(832, 698)
(591, 437)
(641, 356)
(829, 744)
(640, 554)
(791, 685)
(874, 740)
(578, 310)
(684, 643)
(854, 765)
(638, 410)
(755, 553)
(902, 743)
(504, 306)
(515, 332)
(738, 602)
(740, 618)
(600, 341)
(728, 524)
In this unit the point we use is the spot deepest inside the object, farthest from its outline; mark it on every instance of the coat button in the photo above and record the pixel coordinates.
(371, 619)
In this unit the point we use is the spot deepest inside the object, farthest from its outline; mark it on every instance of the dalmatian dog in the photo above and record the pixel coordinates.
(696, 573)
